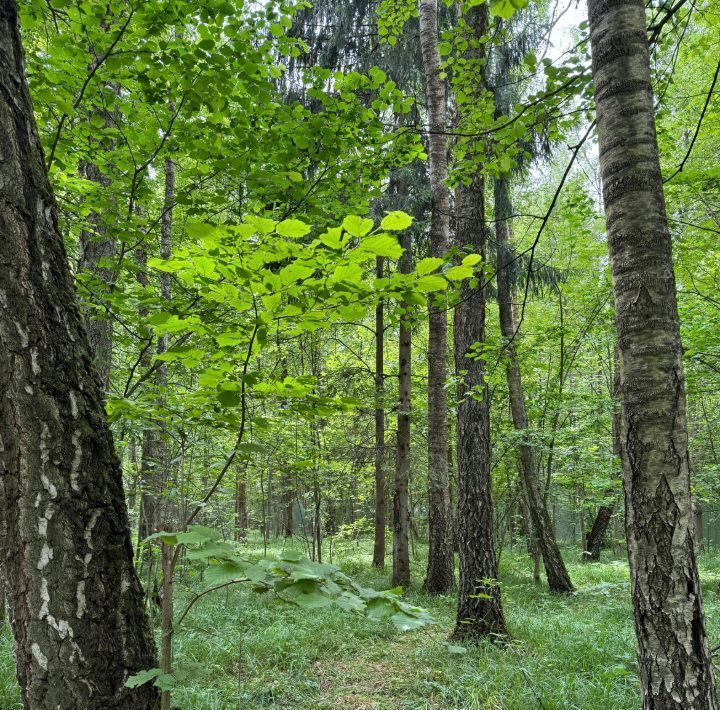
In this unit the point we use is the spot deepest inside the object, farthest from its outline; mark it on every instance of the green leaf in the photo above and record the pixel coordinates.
(229, 398)
(382, 245)
(292, 228)
(135, 681)
(471, 260)
(427, 266)
(458, 273)
(429, 284)
(396, 221)
(357, 226)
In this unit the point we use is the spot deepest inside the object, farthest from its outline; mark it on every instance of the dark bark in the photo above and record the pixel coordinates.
(595, 538)
(557, 575)
(675, 666)
(401, 500)
(380, 498)
(440, 570)
(75, 600)
(97, 248)
(479, 611)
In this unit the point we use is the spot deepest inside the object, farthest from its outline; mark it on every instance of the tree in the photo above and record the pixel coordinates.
(401, 501)
(75, 600)
(675, 666)
(440, 570)
(557, 575)
(380, 502)
(479, 610)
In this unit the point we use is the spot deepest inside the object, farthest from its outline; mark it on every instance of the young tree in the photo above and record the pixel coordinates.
(440, 573)
(380, 502)
(75, 601)
(401, 501)
(675, 666)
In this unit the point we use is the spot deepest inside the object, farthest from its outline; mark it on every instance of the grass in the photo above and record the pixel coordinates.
(567, 652)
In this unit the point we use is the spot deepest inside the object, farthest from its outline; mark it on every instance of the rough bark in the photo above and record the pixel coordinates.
(75, 600)
(97, 248)
(557, 575)
(595, 538)
(401, 500)
(440, 573)
(380, 502)
(674, 663)
(479, 611)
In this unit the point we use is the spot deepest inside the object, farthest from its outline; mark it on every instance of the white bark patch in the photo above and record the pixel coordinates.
(43, 521)
(34, 362)
(81, 601)
(24, 340)
(39, 656)
(62, 627)
(45, 458)
(88, 532)
(48, 486)
(29, 389)
(46, 554)
(77, 456)
(73, 405)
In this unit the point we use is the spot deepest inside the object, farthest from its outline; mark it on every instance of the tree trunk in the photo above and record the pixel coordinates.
(96, 247)
(440, 572)
(75, 600)
(241, 512)
(380, 502)
(401, 501)
(594, 541)
(479, 611)
(675, 666)
(557, 575)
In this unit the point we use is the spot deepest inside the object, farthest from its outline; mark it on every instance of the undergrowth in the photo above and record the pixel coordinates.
(566, 652)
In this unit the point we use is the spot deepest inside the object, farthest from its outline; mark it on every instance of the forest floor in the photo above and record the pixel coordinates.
(567, 652)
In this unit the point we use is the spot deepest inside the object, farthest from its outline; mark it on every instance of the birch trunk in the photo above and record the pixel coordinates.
(674, 663)
(440, 573)
(75, 600)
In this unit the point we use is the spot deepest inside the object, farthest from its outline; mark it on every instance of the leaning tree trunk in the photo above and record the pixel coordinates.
(557, 575)
(675, 666)
(440, 573)
(401, 500)
(594, 542)
(479, 611)
(75, 600)
(380, 502)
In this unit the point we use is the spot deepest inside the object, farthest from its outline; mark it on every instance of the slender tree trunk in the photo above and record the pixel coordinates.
(241, 512)
(479, 611)
(605, 512)
(75, 600)
(557, 575)
(401, 500)
(675, 666)
(151, 472)
(380, 498)
(440, 573)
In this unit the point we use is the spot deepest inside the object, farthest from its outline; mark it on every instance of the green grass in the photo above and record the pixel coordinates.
(566, 652)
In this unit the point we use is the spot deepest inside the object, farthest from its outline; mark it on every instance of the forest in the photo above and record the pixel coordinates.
(359, 354)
